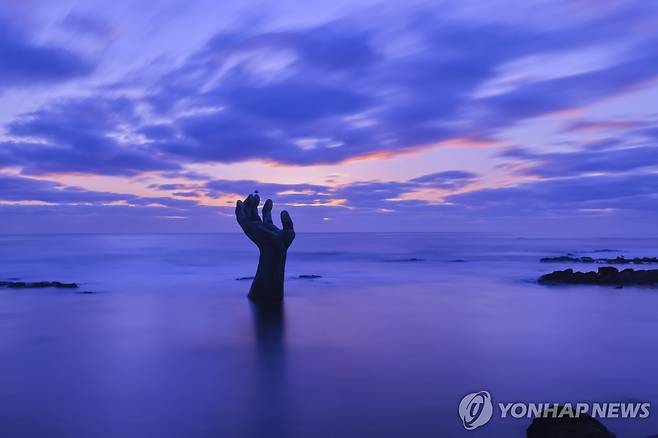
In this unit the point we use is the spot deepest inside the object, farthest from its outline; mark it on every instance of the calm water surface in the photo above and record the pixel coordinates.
(168, 346)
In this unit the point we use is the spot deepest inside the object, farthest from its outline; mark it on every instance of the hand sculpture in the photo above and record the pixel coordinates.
(272, 243)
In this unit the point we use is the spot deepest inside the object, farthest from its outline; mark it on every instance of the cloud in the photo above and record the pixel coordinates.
(596, 158)
(27, 63)
(90, 210)
(572, 194)
(16, 188)
(363, 194)
(91, 25)
(302, 113)
(21, 189)
(328, 93)
(452, 179)
(94, 218)
(85, 135)
(605, 199)
(290, 100)
(365, 85)
(249, 186)
(570, 92)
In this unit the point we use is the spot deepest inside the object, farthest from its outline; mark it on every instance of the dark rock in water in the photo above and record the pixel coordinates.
(567, 258)
(308, 276)
(458, 261)
(37, 284)
(606, 275)
(582, 426)
(245, 278)
(620, 260)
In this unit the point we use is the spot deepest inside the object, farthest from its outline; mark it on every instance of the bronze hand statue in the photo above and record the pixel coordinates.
(272, 242)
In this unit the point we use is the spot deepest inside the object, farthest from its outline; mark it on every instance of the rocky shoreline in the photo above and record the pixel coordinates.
(620, 260)
(604, 276)
(37, 284)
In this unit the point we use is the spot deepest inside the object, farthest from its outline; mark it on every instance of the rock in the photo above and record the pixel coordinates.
(619, 260)
(245, 278)
(606, 275)
(608, 272)
(37, 284)
(458, 261)
(309, 276)
(567, 427)
(566, 258)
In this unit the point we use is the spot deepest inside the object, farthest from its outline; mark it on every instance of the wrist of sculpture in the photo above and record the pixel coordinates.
(276, 254)
(270, 275)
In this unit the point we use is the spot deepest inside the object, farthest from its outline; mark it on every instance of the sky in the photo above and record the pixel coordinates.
(533, 117)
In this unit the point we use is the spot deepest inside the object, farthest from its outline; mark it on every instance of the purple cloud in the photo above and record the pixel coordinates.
(27, 63)
(323, 92)
(546, 197)
(87, 24)
(451, 179)
(18, 188)
(80, 135)
(595, 158)
(302, 114)
(326, 93)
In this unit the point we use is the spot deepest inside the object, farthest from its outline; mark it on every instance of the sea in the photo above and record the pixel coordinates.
(159, 339)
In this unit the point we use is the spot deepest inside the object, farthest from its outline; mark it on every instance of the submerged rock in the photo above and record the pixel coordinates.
(245, 278)
(637, 260)
(604, 275)
(308, 276)
(620, 260)
(567, 427)
(567, 258)
(37, 284)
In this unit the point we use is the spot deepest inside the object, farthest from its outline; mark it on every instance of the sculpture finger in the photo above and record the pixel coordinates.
(247, 205)
(253, 207)
(239, 211)
(286, 221)
(267, 212)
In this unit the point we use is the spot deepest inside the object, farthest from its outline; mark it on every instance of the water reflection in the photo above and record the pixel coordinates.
(269, 328)
(271, 383)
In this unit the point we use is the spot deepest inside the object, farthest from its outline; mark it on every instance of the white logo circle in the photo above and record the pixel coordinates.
(475, 409)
